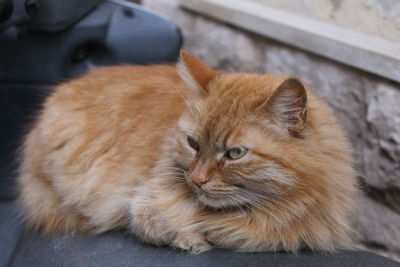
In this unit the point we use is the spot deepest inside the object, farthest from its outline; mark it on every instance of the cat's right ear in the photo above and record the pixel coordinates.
(195, 73)
(288, 106)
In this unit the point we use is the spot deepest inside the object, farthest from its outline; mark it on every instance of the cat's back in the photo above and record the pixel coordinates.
(115, 108)
(112, 87)
(112, 116)
(96, 138)
(123, 103)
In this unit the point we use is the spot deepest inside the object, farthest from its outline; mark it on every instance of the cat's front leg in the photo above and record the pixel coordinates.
(237, 231)
(147, 222)
(188, 222)
(162, 226)
(191, 241)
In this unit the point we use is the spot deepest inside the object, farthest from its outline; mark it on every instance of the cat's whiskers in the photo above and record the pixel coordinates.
(250, 201)
(169, 172)
(238, 205)
(174, 174)
(259, 206)
(168, 164)
(253, 200)
(282, 202)
(265, 197)
(168, 168)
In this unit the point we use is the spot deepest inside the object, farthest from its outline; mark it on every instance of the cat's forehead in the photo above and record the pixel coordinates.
(222, 131)
(228, 108)
(243, 86)
(248, 136)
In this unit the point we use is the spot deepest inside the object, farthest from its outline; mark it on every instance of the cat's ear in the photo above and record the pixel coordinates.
(288, 106)
(194, 72)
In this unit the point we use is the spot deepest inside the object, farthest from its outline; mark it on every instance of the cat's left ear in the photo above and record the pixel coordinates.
(288, 106)
(195, 73)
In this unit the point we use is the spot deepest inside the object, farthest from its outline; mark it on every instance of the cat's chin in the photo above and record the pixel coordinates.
(214, 202)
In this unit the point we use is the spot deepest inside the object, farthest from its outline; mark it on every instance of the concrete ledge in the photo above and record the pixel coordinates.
(366, 52)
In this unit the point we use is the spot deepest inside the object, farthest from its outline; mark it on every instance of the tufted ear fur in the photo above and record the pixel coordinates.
(288, 106)
(194, 72)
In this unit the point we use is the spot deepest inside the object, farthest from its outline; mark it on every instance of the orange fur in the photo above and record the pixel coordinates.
(111, 150)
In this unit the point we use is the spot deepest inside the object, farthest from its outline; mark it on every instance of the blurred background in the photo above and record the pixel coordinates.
(347, 51)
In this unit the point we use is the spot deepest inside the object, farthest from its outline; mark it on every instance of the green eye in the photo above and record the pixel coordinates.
(236, 153)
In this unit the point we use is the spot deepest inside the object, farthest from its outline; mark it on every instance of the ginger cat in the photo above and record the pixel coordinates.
(190, 157)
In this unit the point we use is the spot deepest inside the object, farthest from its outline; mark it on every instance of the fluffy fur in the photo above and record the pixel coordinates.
(110, 150)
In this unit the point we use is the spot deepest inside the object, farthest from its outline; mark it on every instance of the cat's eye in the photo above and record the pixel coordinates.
(236, 153)
(193, 144)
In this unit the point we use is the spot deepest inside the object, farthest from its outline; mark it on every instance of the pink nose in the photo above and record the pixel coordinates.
(200, 180)
(200, 176)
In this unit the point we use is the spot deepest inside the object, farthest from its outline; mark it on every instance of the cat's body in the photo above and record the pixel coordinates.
(111, 150)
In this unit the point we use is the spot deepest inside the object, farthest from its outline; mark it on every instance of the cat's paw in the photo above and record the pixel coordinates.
(192, 243)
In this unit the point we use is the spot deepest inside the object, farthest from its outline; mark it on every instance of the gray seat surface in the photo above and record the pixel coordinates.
(10, 229)
(119, 249)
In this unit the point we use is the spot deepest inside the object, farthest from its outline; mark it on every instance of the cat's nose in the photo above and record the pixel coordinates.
(199, 181)
(200, 176)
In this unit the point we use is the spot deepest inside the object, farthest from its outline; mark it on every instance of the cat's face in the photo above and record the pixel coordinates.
(234, 134)
(232, 165)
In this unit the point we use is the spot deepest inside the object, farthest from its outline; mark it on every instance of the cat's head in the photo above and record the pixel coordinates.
(240, 135)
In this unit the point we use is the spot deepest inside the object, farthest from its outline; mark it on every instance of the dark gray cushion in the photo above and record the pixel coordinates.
(119, 249)
(10, 228)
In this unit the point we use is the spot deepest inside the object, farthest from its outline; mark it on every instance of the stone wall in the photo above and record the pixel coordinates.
(377, 17)
(367, 106)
